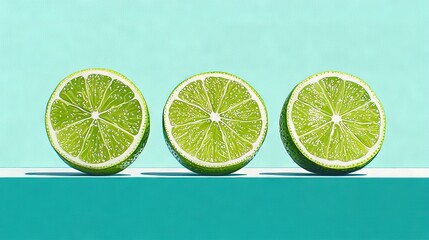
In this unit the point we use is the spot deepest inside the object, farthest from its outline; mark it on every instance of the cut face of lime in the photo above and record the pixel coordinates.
(97, 121)
(214, 123)
(332, 123)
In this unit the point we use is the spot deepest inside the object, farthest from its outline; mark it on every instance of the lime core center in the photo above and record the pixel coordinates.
(336, 119)
(214, 117)
(95, 115)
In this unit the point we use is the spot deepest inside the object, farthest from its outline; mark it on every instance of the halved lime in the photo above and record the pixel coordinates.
(97, 121)
(214, 123)
(332, 123)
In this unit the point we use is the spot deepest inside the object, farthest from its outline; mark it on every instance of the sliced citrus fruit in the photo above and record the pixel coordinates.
(332, 123)
(97, 121)
(214, 123)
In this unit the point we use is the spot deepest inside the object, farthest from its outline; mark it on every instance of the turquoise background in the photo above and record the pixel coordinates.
(271, 44)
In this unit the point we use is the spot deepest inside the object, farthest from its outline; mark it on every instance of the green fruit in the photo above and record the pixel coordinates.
(214, 123)
(97, 121)
(332, 123)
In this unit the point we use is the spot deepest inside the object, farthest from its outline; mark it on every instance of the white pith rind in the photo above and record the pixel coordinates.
(195, 160)
(333, 163)
(137, 138)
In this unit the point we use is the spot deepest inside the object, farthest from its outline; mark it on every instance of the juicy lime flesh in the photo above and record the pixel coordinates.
(95, 119)
(336, 119)
(215, 119)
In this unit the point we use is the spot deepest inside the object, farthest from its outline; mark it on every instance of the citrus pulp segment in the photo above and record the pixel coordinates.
(97, 121)
(332, 123)
(214, 123)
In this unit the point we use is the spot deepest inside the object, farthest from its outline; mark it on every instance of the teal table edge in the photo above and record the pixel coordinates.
(169, 206)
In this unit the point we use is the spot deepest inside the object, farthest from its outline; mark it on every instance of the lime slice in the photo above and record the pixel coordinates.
(97, 121)
(214, 123)
(332, 123)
